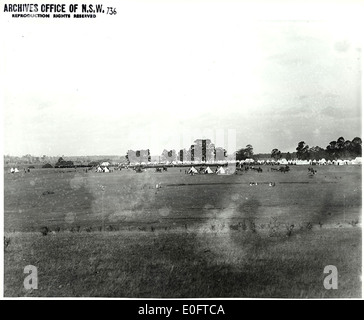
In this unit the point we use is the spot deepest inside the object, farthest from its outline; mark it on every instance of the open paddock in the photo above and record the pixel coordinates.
(195, 236)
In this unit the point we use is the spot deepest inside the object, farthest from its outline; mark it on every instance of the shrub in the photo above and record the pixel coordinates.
(44, 230)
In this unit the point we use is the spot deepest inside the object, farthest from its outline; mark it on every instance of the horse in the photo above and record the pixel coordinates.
(138, 170)
(284, 169)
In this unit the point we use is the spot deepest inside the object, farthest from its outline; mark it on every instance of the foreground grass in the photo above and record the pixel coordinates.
(183, 264)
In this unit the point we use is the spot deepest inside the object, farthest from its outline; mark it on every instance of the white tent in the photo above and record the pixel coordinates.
(192, 170)
(98, 169)
(338, 162)
(208, 170)
(106, 169)
(221, 170)
(358, 160)
(12, 170)
(105, 164)
(16, 170)
(283, 161)
(322, 161)
(302, 162)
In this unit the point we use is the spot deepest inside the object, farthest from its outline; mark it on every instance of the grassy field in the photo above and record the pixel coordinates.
(115, 234)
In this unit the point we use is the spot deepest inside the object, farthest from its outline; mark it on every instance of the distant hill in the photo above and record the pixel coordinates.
(77, 160)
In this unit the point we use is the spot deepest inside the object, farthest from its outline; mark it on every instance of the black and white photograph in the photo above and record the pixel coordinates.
(181, 150)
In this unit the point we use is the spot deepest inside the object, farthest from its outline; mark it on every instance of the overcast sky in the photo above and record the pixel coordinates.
(160, 75)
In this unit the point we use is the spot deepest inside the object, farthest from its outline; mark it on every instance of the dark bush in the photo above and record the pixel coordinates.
(44, 231)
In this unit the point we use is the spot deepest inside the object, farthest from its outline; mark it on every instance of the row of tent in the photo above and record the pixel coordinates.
(208, 170)
(323, 161)
(102, 169)
(339, 162)
(282, 161)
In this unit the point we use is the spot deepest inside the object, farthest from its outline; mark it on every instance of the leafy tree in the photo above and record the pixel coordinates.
(340, 143)
(240, 154)
(276, 154)
(356, 147)
(302, 151)
(342, 148)
(245, 153)
(61, 163)
(331, 150)
(249, 151)
(347, 151)
(339, 147)
(316, 153)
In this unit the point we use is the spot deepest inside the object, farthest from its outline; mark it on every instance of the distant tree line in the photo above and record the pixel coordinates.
(339, 149)
(61, 163)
